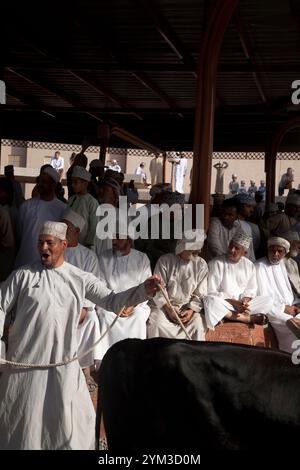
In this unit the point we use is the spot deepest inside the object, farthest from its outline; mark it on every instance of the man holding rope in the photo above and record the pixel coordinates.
(44, 406)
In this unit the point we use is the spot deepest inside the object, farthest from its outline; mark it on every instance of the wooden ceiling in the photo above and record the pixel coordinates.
(72, 66)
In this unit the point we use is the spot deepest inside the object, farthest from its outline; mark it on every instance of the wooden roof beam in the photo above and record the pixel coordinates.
(249, 53)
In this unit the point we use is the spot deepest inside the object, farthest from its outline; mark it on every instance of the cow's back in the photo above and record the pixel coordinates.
(163, 394)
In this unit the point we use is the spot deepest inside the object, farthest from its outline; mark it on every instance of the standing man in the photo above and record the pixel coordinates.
(179, 174)
(140, 171)
(34, 212)
(234, 185)
(88, 332)
(156, 170)
(286, 181)
(57, 162)
(50, 408)
(220, 167)
(18, 193)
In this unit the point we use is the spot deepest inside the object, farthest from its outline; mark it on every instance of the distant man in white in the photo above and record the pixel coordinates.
(232, 286)
(185, 276)
(88, 332)
(140, 171)
(119, 267)
(272, 280)
(115, 166)
(33, 213)
(179, 174)
(57, 162)
(156, 170)
(50, 409)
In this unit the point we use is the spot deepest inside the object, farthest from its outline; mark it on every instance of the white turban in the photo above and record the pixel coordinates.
(57, 229)
(242, 239)
(192, 240)
(76, 219)
(82, 173)
(278, 241)
(52, 173)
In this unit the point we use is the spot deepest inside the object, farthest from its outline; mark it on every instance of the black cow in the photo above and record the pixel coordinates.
(164, 395)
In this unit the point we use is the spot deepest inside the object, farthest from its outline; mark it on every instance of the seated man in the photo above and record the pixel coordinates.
(232, 287)
(185, 276)
(272, 279)
(119, 267)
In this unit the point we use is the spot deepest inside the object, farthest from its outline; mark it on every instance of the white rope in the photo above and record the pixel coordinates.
(165, 294)
(62, 363)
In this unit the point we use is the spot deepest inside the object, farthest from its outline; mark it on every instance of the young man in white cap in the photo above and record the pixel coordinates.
(88, 331)
(50, 408)
(273, 281)
(84, 204)
(185, 276)
(119, 267)
(34, 212)
(232, 286)
(57, 162)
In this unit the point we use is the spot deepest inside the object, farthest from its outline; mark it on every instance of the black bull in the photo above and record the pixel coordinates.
(163, 394)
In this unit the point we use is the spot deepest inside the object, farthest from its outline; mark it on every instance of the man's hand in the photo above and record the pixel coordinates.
(126, 311)
(152, 285)
(186, 315)
(237, 305)
(170, 314)
(291, 310)
(83, 314)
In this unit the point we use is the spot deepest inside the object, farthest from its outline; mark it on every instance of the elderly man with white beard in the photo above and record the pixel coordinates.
(273, 280)
(185, 276)
(232, 286)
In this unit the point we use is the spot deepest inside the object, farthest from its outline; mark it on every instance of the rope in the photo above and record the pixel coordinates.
(62, 363)
(165, 294)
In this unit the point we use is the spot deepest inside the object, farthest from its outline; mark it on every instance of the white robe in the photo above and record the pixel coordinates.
(186, 284)
(88, 332)
(227, 280)
(120, 271)
(179, 174)
(156, 170)
(51, 408)
(273, 280)
(32, 214)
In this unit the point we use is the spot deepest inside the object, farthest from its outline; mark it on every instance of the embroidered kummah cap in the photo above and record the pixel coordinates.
(192, 240)
(57, 229)
(52, 173)
(245, 198)
(82, 173)
(278, 241)
(242, 239)
(75, 219)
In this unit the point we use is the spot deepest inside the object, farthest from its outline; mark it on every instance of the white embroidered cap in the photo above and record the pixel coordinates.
(242, 239)
(52, 173)
(278, 241)
(56, 229)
